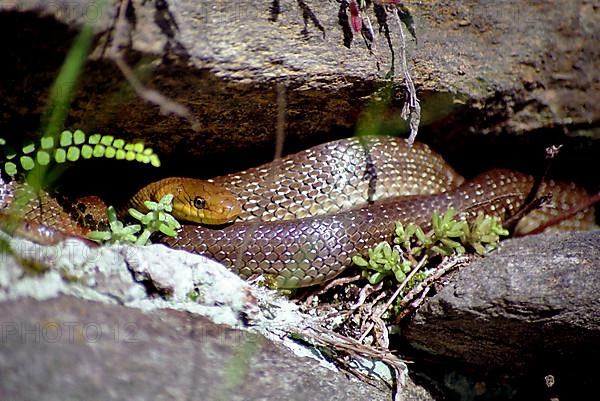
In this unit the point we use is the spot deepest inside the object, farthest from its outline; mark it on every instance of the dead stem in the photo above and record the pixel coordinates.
(443, 268)
(377, 317)
(120, 42)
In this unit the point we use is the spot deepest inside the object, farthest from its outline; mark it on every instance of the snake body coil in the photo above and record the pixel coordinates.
(294, 223)
(305, 251)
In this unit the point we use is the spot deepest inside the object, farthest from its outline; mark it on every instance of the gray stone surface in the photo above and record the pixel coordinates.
(532, 302)
(486, 67)
(115, 323)
(71, 349)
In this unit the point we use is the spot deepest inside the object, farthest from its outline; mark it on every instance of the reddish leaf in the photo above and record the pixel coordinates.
(355, 18)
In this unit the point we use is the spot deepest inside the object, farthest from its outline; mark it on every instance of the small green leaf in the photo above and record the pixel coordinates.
(118, 143)
(10, 168)
(130, 156)
(421, 235)
(120, 154)
(151, 205)
(78, 137)
(154, 160)
(111, 213)
(116, 226)
(110, 152)
(131, 229)
(449, 215)
(138, 147)
(27, 162)
(99, 151)
(479, 249)
(99, 236)
(359, 261)
(441, 250)
(73, 153)
(128, 147)
(375, 278)
(47, 142)
(148, 151)
(136, 214)
(9, 152)
(163, 228)
(406, 266)
(94, 139)
(144, 238)
(66, 139)
(29, 147)
(60, 155)
(42, 157)
(436, 222)
(399, 274)
(172, 222)
(86, 151)
(107, 140)
(167, 200)
(450, 243)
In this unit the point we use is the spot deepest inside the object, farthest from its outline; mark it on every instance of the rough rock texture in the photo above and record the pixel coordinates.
(68, 348)
(532, 303)
(117, 323)
(490, 67)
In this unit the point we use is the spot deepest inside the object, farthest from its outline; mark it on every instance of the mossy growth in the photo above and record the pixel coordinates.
(448, 236)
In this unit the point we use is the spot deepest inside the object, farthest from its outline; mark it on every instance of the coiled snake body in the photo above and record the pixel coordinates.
(312, 188)
(294, 223)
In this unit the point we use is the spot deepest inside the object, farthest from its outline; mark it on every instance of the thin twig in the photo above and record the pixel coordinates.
(393, 297)
(364, 293)
(443, 268)
(337, 342)
(411, 111)
(279, 129)
(119, 43)
(532, 201)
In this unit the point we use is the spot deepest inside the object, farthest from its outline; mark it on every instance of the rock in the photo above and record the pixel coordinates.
(127, 322)
(136, 276)
(68, 348)
(511, 66)
(532, 304)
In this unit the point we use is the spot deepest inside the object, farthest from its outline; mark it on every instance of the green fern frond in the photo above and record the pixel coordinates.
(72, 146)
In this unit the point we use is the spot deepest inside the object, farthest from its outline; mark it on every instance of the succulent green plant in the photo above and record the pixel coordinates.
(383, 260)
(118, 233)
(158, 219)
(448, 236)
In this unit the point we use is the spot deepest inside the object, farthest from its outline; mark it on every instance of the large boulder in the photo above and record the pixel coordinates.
(510, 66)
(530, 307)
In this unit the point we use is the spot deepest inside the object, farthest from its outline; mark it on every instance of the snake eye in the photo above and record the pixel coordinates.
(199, 202)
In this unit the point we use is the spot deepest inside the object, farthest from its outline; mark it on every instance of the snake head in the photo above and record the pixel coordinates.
(195, 201)
(203, 202)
